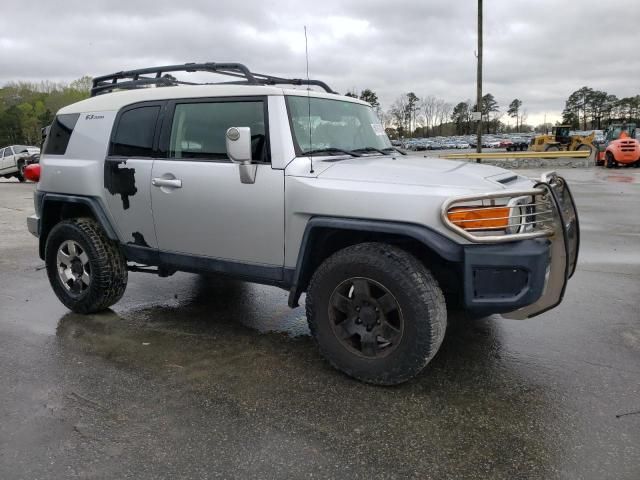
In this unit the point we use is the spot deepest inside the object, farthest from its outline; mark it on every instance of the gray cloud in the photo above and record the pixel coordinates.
(537, 51)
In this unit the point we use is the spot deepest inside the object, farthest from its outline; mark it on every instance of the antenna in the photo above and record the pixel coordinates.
(306, 54)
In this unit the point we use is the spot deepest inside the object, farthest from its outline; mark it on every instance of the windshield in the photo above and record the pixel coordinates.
(334, 125)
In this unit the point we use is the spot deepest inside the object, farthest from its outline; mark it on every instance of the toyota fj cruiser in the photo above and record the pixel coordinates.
(300, 189)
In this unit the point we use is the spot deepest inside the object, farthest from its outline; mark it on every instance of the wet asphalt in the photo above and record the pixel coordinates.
(194, 377)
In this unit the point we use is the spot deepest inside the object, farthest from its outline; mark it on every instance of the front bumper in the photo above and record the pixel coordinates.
(523, 274)
(33, 224)
(502, 278)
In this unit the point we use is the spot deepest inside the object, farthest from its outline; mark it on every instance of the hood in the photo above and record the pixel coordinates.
(423, 171)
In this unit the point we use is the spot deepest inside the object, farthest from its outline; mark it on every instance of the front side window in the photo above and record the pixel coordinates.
(8, 152)
(321, 124)
(134, 133)
(60, 133)
(198, 129)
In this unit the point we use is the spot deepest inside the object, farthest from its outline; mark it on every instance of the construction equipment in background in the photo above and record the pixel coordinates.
(620, 146)
(561, 140)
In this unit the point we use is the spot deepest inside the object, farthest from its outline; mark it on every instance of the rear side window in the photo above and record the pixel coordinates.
(133, 136)
(60, 133)
(198, 129)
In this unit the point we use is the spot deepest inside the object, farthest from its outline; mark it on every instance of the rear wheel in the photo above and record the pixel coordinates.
(87, 270)
(376, 313)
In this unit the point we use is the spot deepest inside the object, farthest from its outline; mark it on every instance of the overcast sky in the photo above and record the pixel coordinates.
(536, 50)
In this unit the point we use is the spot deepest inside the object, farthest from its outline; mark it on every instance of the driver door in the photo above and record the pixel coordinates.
(202, 212)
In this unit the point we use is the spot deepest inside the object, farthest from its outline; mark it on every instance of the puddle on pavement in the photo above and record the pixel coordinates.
(620, 178)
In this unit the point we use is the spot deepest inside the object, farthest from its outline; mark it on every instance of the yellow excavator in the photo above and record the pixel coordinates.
(561, 140)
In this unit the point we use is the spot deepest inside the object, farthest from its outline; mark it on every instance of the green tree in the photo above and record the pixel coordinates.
(82, 84)
(514, 111)
(371, 97)
(577, 107)
(25, 108)
(460, 117)
(412, 107)
(489, 106)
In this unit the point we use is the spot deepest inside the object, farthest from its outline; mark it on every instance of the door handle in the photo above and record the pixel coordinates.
(166, 182)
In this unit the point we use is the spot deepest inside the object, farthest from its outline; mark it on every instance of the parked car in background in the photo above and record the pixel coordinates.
(14, 159)
(518, 144)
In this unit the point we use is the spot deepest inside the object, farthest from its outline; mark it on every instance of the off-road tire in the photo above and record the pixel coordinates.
(417, 293)
(108, 265)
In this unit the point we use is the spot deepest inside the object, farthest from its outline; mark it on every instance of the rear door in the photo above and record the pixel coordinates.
(208, 212)
(127, 172)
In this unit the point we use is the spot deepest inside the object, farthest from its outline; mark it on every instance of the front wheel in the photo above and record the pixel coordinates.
(87, 270)
(611, 161)
(552, 148)
(376, 313)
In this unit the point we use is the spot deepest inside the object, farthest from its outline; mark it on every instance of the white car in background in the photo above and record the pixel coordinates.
(15, 158)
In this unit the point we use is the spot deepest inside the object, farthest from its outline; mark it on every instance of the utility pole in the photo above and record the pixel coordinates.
(479, 82)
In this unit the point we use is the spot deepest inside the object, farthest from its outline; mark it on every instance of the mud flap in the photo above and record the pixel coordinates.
(563, 252)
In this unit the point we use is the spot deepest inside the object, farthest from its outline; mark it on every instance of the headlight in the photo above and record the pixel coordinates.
(500, 216)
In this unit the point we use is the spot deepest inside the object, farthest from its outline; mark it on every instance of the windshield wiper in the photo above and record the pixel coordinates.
(391, 149)
(369, 149)
(332, 151)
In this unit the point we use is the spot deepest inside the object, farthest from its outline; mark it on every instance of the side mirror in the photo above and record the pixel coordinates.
(238, 140)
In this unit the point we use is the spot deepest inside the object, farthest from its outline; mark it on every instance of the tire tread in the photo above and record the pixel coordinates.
(405, 269)
(109, 272)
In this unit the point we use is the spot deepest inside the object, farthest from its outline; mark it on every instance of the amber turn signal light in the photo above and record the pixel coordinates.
(479, 218)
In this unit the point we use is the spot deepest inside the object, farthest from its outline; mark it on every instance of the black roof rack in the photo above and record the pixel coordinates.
(160, 76)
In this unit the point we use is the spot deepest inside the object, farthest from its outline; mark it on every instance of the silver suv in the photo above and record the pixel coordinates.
(301, 189)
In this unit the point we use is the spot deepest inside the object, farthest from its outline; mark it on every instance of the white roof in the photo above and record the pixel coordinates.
(117, 100)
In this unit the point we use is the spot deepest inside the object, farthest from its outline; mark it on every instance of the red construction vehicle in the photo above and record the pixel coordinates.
(620, 147)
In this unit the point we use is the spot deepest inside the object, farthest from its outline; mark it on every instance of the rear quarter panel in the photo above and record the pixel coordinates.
(80, 171)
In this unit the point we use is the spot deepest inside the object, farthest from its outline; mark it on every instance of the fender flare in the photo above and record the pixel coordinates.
(443, 246)
(44, 200)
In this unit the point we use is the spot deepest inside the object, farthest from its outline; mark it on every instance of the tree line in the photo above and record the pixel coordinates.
(27, 107)
(587, 108)
(413, 116)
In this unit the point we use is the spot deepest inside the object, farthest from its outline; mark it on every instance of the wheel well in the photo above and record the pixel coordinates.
(324, 242)
(54, 212)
